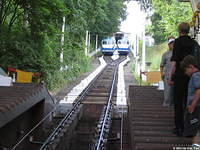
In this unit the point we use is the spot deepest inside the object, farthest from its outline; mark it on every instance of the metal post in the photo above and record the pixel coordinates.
(138, 60)
(86, 43)
(62, 43)
(96, 42)
(138, 45)
(135, 46)
(143, 52)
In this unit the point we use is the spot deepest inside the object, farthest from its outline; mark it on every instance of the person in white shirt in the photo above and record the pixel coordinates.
(164, 70)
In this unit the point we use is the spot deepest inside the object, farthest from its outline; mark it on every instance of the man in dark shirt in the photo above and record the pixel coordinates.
(183, 46)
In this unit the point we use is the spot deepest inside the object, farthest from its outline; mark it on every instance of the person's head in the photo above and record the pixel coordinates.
(183, 28)
(189, 65)
(171, 43)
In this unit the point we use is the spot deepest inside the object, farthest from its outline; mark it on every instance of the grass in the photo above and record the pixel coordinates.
(154, 55)
(61, 79)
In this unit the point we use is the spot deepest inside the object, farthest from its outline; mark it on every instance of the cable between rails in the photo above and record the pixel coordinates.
(57, 130)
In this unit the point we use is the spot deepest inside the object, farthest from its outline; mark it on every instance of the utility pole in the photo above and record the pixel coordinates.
(138, 59)
(62, 43)
(143, 51)
(88, 50)
(135, 46)
(86, 43)
(96, 42)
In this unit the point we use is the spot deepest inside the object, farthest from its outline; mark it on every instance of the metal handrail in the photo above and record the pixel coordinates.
(121, 131)
(37, 125)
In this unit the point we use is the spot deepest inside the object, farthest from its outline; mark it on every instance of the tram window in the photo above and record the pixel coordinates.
(119, 42)
(110, 42)
(104, 42)
(127, 42)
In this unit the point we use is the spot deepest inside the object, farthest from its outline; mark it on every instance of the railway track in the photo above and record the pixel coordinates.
(90, 130)
(85, 124)
(93, 122)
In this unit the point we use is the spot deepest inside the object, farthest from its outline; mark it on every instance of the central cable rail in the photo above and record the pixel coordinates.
(103, 126)
(64, 121)
(105, 120)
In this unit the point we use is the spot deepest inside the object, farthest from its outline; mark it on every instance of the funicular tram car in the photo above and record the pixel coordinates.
(123, 45)
(108, 46)
(119, 41)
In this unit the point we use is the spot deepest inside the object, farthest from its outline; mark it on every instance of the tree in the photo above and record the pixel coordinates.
(167, 15)
(30, 33)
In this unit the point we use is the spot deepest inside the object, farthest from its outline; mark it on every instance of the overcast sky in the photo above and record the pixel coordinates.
(135, 22)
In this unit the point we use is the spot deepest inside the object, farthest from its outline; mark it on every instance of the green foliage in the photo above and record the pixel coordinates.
(154, 55)
(30, 34)
(167, 15)
(19, 51)
(109, 19)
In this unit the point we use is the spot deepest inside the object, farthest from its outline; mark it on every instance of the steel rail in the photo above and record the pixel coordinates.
(109, 105)
(37, 125)
(76, 105)
(50, 113)
(121, 131)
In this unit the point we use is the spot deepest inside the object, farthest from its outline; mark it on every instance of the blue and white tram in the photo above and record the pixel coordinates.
(108, 46)
(123, 46)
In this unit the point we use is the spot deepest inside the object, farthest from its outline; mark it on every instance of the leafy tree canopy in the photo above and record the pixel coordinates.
(30, 33)
(167, 14)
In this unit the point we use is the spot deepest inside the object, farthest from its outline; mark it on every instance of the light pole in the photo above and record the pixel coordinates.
(86, 43)
(96, 42)
(62, 43)
(143, 51)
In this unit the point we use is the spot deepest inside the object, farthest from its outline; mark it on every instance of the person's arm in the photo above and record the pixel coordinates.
(162, 64)
(172, 70)
(174, 59)
(162, 73)
(195, 101)
(161, 70)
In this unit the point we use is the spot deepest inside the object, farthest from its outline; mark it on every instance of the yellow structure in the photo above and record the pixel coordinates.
(153, 77)
(24, 77)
